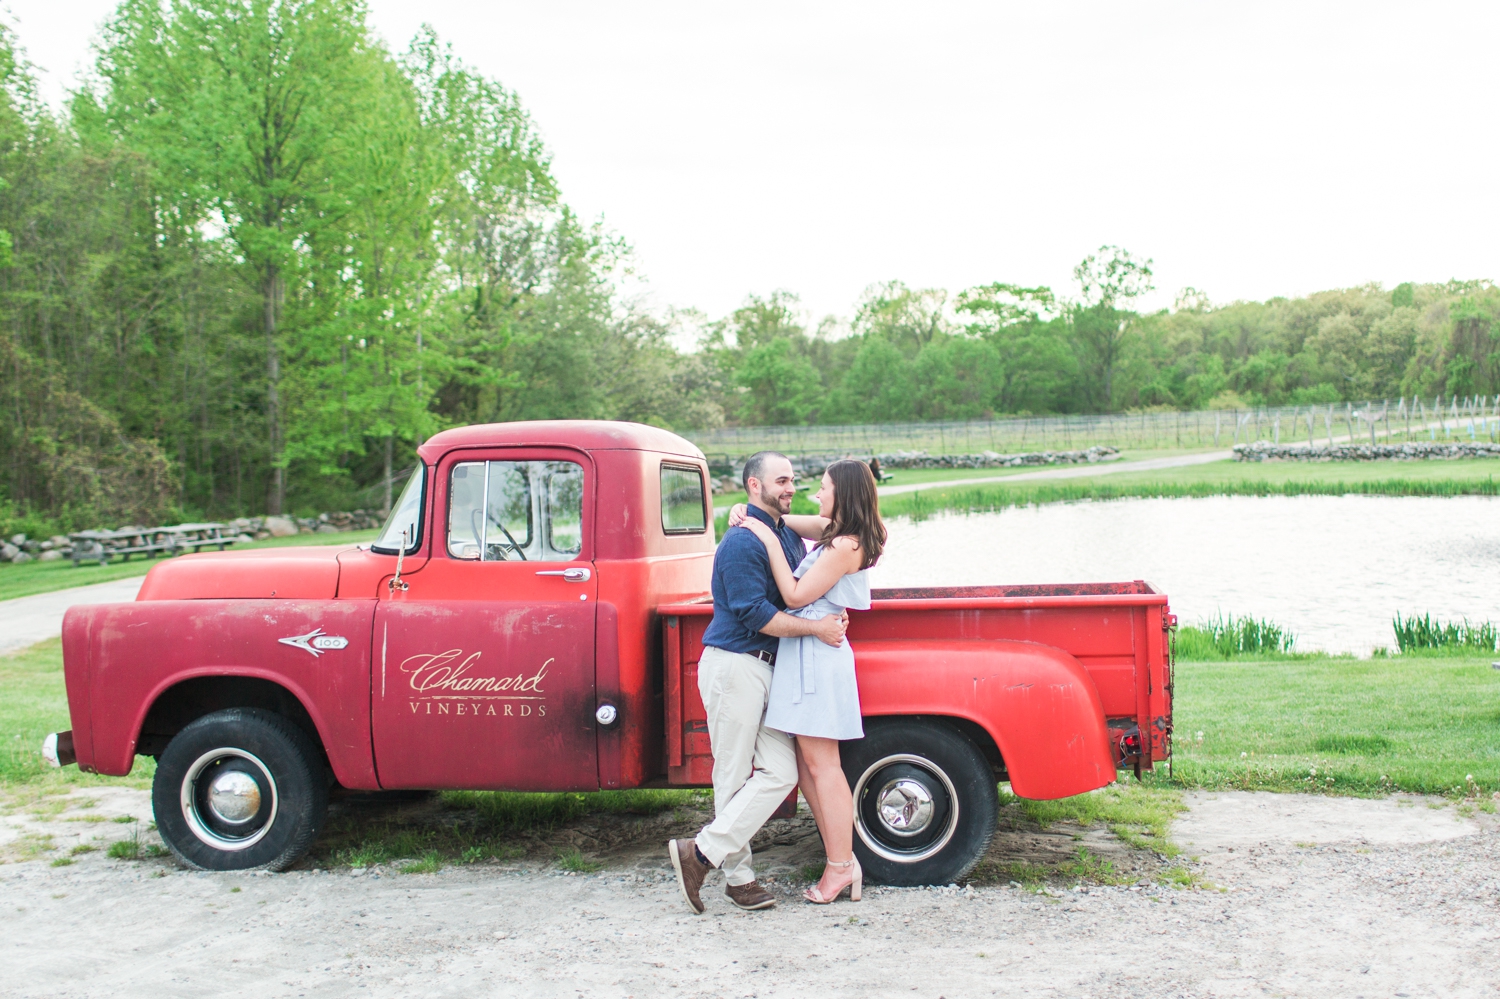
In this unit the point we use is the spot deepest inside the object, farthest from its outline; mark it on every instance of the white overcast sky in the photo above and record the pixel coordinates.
(1250, 149)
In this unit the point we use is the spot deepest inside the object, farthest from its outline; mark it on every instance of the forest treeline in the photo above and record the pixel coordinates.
(1001, 349)
(259, 256)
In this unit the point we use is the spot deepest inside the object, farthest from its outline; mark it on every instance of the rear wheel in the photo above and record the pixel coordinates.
(240, 789)
(925, 801)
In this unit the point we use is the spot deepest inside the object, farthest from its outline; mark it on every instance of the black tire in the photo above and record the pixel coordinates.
(949, 792)
(240, 789)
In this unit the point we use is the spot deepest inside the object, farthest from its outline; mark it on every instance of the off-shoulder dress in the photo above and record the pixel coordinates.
(813, 690)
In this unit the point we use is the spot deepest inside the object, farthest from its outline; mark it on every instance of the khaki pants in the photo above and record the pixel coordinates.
(755, 767)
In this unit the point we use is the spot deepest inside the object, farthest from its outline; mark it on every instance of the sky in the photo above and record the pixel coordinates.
(1248, 150)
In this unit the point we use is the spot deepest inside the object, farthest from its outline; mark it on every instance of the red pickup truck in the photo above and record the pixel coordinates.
(530, 619)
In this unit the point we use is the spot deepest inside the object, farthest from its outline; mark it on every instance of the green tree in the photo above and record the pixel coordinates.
(779, 388)
(249, 111)
(879, 387)
(907, 318)
(1036, 366)
(1107, 280)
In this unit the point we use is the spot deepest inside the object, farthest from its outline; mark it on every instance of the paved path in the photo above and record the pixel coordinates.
(1074, 471)
(28, 620)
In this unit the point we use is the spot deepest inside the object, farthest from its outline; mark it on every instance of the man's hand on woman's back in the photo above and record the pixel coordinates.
(830, 630)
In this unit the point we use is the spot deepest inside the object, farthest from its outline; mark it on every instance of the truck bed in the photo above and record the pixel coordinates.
(1040, 670)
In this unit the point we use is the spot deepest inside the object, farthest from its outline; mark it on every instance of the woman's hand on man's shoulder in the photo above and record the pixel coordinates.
(759, 529)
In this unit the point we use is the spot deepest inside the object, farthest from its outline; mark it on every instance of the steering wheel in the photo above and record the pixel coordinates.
(513, 546)
(474, 526)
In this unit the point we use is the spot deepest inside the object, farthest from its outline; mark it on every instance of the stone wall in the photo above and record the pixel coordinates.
(1412, 451)
(810, 466)
(260, 528)
(20, 549)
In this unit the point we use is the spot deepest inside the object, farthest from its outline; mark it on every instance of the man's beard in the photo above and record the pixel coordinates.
(775, 502)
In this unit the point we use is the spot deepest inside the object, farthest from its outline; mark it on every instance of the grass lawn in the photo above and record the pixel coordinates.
(44, 577)
(34, 702)
(1392, 478)
(916, 476)
(1277, 472)
(1428, 724)
(1397, 478)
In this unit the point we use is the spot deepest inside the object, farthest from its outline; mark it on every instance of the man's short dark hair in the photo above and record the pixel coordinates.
(756, 464)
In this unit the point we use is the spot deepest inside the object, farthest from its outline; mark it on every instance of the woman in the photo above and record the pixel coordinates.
(814, 695)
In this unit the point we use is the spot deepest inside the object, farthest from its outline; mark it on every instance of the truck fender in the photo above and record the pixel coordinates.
(77, 645)
(1037, 702)
(133, 653)
(316, 727)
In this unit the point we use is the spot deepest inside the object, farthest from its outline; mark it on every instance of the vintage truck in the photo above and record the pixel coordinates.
(530, 619)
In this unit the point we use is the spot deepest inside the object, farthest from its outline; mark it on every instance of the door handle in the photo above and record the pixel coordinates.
(574, 575)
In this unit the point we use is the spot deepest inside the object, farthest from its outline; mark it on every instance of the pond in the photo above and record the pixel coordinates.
(1334, 569)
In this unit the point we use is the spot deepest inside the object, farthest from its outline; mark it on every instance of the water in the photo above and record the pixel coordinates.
(1334, 569)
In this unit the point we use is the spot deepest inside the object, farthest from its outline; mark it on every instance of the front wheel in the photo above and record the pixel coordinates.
(925, 801)
(240, 789)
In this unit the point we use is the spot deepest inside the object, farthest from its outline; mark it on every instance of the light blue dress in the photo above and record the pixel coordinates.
(813, 690)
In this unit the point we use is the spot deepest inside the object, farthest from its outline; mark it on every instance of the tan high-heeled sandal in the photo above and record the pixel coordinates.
(856, 886)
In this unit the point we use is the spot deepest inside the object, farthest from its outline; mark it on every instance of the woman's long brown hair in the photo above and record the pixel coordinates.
(856, 509)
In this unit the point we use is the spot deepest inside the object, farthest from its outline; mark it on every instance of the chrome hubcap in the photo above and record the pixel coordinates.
(905, 807)
(229, 799)
(234, 797)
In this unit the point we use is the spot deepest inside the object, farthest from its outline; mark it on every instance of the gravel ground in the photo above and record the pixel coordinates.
(27, 620)
(1304, 896)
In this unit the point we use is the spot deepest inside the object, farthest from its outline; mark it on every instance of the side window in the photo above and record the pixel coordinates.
(682, 507)
(515, 511)
(563, 482)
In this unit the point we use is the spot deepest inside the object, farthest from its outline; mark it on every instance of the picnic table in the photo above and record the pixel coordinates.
(101, 546)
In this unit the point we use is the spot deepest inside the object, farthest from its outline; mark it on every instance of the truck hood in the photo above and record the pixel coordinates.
(285, 573)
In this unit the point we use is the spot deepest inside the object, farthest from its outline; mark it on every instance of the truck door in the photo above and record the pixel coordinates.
(484, 666)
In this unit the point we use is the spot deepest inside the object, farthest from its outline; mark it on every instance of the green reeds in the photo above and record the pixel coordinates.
(1415, 634)
(998, 496)
(1227, 636)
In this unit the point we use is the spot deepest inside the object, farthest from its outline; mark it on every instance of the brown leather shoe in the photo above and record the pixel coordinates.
(690, 871)
(750, 896)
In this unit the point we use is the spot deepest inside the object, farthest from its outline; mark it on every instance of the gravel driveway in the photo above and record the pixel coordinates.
(1321, 897)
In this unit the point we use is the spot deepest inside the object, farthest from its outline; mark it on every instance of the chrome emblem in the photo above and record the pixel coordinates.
(316, 642)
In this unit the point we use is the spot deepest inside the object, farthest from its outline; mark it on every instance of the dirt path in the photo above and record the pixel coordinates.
(27, 620)
(1322, 897)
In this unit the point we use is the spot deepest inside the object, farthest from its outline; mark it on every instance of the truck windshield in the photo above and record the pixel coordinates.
(406, 516)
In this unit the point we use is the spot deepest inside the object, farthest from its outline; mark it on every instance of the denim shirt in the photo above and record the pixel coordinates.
(745, 593)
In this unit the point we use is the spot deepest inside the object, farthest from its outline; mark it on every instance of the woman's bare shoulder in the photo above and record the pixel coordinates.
(845, 545)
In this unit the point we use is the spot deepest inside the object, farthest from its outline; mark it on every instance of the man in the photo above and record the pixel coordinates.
(755, 768)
